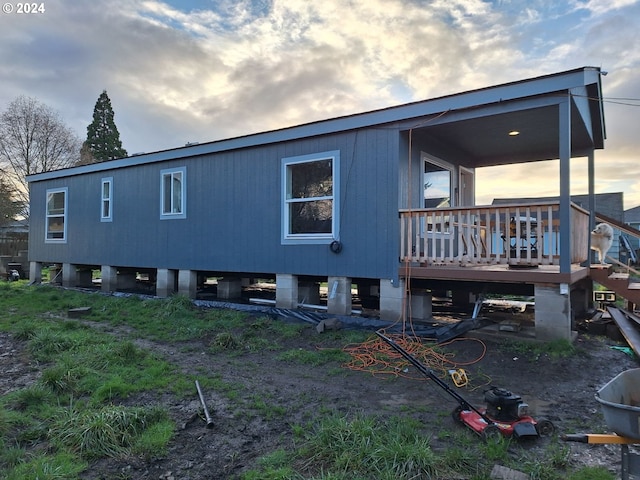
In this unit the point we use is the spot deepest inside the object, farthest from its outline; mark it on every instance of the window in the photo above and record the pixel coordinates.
(56, 229)
(436, 183)
(173, 193)
(310, 207)
(106, 202)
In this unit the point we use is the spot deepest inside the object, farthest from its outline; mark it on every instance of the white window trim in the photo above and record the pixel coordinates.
(109, 216)
(183, 193)
(64, 216)
(453, 185)
(309, 238)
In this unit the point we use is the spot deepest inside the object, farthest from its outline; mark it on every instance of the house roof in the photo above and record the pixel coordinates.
(15, 226)
(477, 122)
(632, 215)
(609, 204)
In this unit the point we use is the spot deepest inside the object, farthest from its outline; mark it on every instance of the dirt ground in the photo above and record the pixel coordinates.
(559, 389)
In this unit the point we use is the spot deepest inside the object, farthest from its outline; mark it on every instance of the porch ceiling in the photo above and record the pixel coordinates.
(485, 141)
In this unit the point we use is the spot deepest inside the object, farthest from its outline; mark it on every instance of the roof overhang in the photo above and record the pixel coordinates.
(476, 123)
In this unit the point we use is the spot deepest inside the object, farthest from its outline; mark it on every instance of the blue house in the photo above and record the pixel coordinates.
(384, 200)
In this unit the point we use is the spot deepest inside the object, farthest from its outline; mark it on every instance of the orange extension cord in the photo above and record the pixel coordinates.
(376, 357)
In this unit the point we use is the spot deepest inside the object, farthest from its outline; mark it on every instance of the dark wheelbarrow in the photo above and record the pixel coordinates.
(620, 403)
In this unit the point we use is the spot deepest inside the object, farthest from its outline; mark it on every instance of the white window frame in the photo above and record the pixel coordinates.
(106, 201)
(311, 238)
(62, 215)
(446, 167)
(182, 213)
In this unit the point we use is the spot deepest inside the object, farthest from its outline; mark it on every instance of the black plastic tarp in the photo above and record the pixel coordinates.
(437, 332)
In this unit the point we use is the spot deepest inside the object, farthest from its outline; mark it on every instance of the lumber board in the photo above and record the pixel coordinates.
(628, 327)
(633, 316)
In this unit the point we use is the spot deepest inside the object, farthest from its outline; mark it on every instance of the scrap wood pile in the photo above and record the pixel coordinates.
(629, 325)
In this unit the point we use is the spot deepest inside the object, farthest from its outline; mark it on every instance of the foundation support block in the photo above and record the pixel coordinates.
(109, 276)
(553, 318)
(126, 280)
(339, 300)
(286, 290)
(188, 283)
(229, 288)
(309, 293)
(392, 301)
(35, 272)
(76, 276)
(421, 305)
(165, 282)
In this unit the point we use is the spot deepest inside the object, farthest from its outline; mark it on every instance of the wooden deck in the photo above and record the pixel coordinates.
(499, 273)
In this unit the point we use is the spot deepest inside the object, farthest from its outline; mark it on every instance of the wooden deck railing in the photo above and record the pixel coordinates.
(526, 234)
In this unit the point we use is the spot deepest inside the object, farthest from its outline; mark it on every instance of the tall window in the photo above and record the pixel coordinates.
(56, 230)
(106, 208)
(310, 201)
(173, 193)
(436, 183)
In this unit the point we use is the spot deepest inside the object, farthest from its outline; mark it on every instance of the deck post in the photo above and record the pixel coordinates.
(109, 278)
(565, 184)
(339, 296)
(553, 312)
(392, 302)
(165, 282)
(592, 204)
(188, 283)
(35, 272)
(286, 290)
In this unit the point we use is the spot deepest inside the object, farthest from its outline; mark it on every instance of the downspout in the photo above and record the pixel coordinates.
(564, 111)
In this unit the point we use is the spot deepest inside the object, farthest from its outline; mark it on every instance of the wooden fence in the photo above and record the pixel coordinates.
(11, 244)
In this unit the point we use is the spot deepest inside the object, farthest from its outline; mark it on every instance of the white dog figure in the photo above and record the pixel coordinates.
(601, 240)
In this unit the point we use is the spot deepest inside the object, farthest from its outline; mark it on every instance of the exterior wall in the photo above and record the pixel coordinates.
(233, 221)
(410, 193)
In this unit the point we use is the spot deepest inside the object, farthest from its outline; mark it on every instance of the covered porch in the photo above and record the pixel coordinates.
(447, 241)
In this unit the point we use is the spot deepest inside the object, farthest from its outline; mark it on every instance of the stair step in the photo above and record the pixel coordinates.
(634, 286)
(619, 276)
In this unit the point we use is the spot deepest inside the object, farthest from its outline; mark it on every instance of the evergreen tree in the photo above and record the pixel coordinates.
(103, 140)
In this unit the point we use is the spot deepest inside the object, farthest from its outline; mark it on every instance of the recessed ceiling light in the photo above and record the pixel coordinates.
(514, 133)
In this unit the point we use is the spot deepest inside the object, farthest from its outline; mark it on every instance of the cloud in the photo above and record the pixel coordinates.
(224, 68)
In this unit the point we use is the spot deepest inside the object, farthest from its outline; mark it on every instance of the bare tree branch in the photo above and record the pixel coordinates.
(33, 139)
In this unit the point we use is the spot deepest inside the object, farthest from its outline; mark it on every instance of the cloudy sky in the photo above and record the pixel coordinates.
(202, 70)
